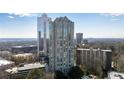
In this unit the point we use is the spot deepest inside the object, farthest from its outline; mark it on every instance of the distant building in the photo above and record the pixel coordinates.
(79, 38)
(61, 54)
(22, 71)
(5, 54)
(43, 34)
(88, 57)
(24, 55)
(23, 49)
(23, 58)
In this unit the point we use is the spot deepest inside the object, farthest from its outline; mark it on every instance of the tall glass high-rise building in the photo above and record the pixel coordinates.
(43, 33)
(61, 51)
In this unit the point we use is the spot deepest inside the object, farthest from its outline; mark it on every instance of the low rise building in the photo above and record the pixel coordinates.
(23, 58)
(23, 49)
(5, 54)
(4, 64)
(23, 55)
(22, 71)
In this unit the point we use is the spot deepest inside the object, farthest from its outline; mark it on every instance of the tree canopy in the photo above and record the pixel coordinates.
(59, 75)
(75, 73)
(36, 74)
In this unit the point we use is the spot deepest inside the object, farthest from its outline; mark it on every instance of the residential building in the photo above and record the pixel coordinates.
(88, 58)
(61, 56)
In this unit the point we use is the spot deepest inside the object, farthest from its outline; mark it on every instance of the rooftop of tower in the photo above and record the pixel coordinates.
(62, 19)
(44, 15)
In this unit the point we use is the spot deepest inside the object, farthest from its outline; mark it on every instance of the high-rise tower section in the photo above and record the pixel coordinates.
(43, 34)
(61, 54)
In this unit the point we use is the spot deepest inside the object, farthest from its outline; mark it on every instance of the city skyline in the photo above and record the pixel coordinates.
(57, 55)
(93, 25)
